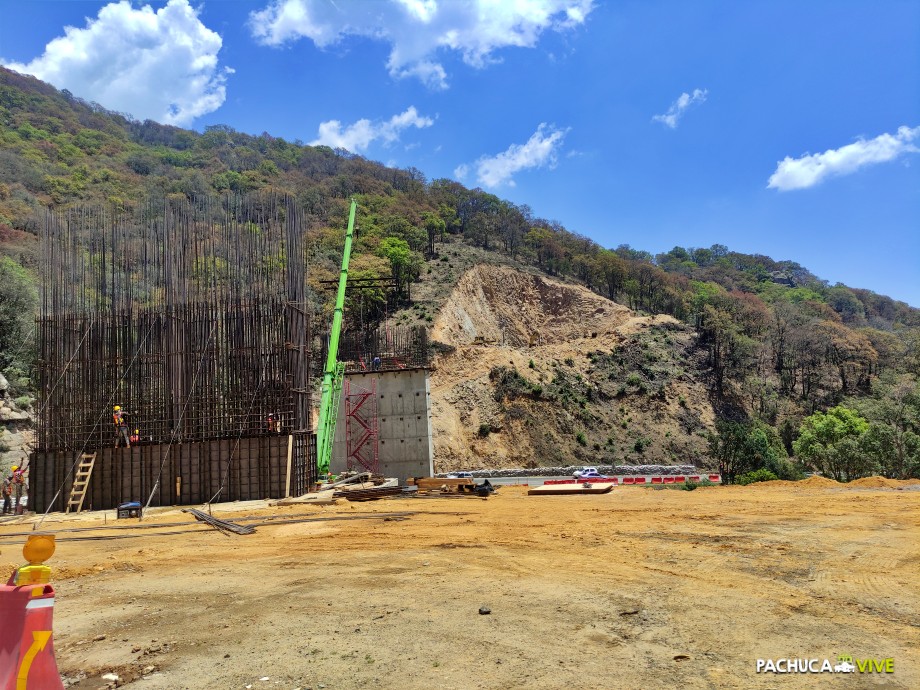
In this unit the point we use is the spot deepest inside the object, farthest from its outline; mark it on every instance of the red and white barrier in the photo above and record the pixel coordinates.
(26, 647)
(640, 480)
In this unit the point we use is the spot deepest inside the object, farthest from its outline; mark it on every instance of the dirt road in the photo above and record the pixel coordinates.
(638, 588)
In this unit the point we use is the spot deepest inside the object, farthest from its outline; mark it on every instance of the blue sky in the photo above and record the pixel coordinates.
(789, 129)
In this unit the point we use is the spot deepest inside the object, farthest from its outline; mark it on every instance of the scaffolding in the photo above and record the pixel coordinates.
(361, 427)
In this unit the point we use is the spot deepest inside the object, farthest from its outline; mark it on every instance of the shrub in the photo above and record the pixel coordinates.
(485, 429)
(508, 383)
(633, 379)
(581, 438)
(531, 365)
(761, 475)
(569, 361)
(786, 469)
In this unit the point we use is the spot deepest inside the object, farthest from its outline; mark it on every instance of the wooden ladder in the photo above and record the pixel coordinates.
(81, 482)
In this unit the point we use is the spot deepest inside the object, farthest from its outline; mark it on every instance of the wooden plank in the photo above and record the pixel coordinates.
(433, 484)
(561, 489)
(287, 476)
(324, 497)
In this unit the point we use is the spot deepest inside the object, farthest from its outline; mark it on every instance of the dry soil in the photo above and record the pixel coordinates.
(639, 588)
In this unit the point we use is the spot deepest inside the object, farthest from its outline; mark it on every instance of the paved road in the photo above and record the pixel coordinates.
(509, 481)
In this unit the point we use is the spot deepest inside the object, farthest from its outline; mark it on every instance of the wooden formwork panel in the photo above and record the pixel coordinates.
(242, 469)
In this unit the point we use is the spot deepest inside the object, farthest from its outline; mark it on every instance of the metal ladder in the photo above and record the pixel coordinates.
(81, 482)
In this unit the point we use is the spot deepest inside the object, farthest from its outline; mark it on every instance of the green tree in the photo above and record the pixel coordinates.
(729, 446)
(435, 227)
(744, 447)
(405, 264)
(18, 303)
(893, 438)
(831, 443)
(613, 272)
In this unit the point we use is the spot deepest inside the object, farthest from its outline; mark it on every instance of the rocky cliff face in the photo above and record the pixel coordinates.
(543, 373)
(16, 431)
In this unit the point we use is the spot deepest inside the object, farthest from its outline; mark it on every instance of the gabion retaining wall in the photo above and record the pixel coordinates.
(570, 470)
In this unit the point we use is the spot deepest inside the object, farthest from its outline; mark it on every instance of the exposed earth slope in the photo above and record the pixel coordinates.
(547, 373)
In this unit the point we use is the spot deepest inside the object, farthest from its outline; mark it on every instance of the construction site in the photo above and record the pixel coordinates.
(243, 497)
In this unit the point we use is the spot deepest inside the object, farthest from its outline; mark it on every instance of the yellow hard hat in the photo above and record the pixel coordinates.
(117, 407)
(14, 468)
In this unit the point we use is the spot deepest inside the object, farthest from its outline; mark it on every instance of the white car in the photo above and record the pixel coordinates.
(586, 472)
(460, 475)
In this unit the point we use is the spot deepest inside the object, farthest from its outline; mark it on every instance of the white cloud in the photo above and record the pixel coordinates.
(159, 65)
(539, 151)
(679, 107)
(358, 136)
(810, 169)
(417, 29)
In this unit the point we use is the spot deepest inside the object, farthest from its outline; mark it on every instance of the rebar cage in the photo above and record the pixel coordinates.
(188, 314)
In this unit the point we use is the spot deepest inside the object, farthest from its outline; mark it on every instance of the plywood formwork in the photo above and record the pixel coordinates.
(188, 473)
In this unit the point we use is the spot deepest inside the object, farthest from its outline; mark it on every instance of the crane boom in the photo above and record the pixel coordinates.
(334, 370)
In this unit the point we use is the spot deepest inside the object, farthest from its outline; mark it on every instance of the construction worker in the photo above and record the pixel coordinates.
(120, 419)
(19, 487)
(273, 424)
(6, 489)
(376, 364)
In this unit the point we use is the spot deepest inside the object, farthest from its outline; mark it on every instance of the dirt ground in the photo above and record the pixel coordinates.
(638, 588)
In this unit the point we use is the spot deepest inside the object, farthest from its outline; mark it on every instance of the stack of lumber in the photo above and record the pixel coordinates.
(370, 493)
(445, 485)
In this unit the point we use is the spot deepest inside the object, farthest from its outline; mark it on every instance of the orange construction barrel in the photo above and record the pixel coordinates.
(26, 611)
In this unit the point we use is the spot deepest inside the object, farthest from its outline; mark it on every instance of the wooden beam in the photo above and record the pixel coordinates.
(287, 478)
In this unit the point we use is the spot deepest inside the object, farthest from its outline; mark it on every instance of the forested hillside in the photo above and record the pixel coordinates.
(781, 344)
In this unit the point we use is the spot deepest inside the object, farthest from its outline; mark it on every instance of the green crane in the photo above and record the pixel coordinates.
(335, 370)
